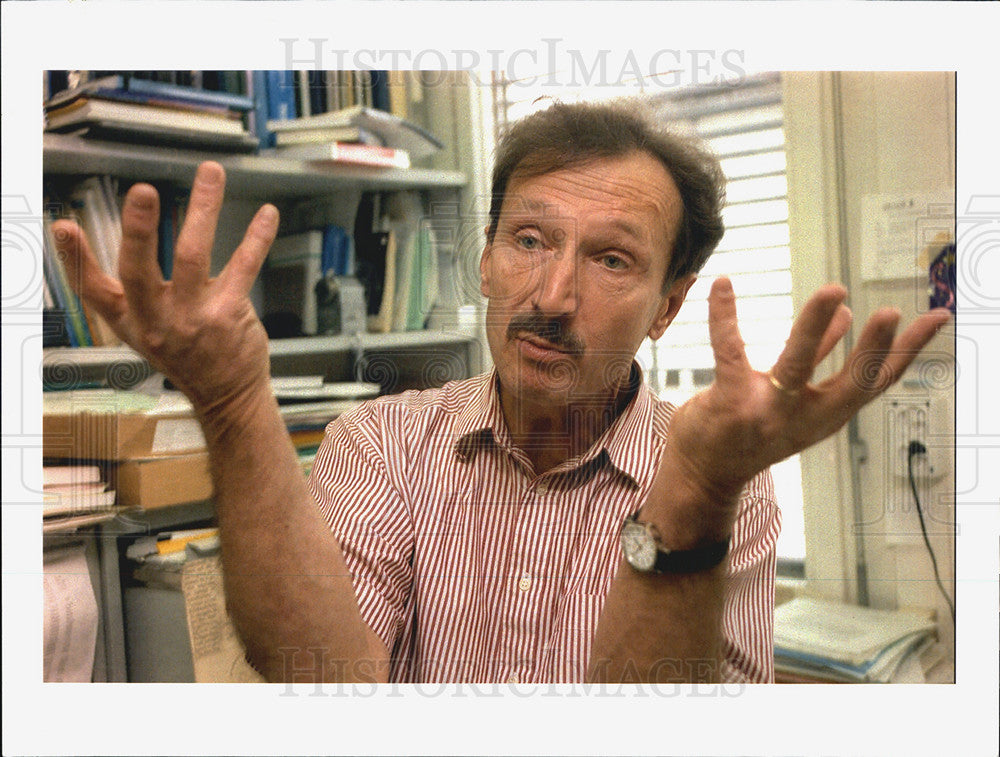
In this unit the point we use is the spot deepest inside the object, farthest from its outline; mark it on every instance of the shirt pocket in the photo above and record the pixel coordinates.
(567, 652)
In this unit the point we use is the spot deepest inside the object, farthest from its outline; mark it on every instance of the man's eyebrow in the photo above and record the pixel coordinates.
(521, 204)
(632, 229)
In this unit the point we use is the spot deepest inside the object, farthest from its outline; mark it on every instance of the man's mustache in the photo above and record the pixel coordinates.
(552, 330)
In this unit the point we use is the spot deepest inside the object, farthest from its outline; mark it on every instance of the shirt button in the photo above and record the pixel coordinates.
(513, 678)
(525, 583)
(542, 488)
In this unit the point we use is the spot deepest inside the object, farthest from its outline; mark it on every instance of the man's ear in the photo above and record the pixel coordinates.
(484, 265)
(671, 305)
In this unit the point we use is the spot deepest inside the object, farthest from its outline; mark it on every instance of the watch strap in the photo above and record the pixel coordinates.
(687, 560)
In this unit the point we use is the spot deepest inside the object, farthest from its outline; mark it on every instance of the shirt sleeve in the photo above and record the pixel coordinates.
(748, 614)
(368, 515)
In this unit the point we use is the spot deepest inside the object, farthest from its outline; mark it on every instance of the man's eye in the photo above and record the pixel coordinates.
(614, 262)
(529, 242)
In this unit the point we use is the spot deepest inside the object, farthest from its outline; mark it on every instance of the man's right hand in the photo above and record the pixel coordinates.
(288, 590)
(201, 332)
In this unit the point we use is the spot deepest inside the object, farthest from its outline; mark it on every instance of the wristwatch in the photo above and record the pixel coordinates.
(646, 554)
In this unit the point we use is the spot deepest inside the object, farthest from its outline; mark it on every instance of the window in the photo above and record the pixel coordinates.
(742, 124)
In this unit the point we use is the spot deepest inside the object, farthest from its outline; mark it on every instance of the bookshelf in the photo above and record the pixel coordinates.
(124, 368)
(395, 360)
(253, 177)
(249, 177)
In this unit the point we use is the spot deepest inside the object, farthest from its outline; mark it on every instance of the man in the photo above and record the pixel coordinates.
(477, 529)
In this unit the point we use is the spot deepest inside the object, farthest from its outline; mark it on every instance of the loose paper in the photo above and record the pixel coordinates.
(70, 624)
(177, 435)
(216, 650)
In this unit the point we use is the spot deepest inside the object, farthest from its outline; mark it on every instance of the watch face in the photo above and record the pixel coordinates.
(638, 546)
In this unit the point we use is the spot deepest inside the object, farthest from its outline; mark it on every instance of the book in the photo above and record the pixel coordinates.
(380, 90)
(137, 89)
(63, 293)
(86, 110)
(258, 124)
(73, 490)
(69, 475)
(383, 284)
(393, 131)
(163, 136)
(424, 285)
(280, 96)
(346, 152)
(80, 501)
(399, 104)
(332, 134)
(303, 104)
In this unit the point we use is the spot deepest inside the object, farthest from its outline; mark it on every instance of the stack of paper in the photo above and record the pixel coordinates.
(308, 405)
(74, 496)
(816, 639)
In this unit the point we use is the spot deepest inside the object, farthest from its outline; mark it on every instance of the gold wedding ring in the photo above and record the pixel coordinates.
(781, 387)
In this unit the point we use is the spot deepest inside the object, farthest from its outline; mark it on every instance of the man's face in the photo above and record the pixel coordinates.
(574, 276)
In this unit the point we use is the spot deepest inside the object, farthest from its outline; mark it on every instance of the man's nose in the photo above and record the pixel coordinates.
(557, 291)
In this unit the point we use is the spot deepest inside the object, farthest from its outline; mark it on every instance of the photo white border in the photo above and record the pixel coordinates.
(87, 718)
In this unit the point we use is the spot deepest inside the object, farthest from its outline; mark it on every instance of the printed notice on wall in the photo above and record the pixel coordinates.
(896, 227)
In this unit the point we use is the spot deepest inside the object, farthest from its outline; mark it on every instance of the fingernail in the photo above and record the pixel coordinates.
(268, 213)
(210, 172)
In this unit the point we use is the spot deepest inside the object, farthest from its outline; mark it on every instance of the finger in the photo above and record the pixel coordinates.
(138, 269)
(914, 338)
(193, 251)
(99, 290)
(841, 322)
(242, 269)
(795, 365)
(723, 329)
(865, 365)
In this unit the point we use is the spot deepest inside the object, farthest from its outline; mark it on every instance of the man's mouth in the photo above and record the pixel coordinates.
(544, 334)
(539, 342)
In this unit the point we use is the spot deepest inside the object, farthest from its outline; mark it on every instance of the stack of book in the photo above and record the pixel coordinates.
(355, 135)
(74, 496)
(288, 95)
(125, 108)
(151, 447)
(821, 641)
(308, 405)
(95, 204)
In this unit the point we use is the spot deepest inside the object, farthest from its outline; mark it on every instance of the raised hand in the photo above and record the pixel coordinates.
(748, 420)
(201, 332)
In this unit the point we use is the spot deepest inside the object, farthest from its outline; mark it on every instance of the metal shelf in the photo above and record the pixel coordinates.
(260, 177)
(122, 367)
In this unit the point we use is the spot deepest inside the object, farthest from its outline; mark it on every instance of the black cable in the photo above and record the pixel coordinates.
(916, 448)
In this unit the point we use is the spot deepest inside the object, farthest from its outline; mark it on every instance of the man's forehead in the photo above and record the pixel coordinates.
(630, 191)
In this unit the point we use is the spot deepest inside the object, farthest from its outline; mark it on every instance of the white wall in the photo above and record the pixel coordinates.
(851, 135)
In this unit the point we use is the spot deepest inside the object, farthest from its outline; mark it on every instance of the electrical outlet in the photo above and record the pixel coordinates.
(916, 421)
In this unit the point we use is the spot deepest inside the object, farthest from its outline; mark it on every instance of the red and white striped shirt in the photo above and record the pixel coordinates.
(471, 568)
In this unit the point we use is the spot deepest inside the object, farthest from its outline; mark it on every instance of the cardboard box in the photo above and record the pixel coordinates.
(163, 481)
(118, 436)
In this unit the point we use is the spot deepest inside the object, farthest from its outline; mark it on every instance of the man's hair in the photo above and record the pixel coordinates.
(567, 135)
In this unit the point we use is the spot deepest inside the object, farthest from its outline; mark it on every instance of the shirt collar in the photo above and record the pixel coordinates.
(482, 423)
(482, 419)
